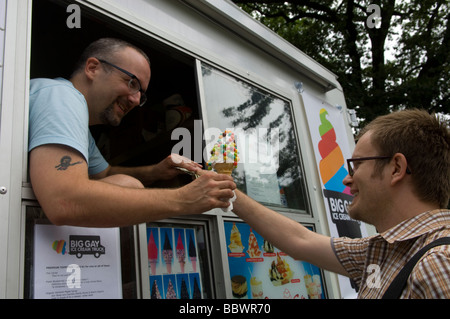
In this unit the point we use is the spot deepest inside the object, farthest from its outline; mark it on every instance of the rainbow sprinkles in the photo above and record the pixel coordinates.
(224, 151)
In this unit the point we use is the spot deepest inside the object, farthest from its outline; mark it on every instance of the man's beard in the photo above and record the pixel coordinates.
(108, 116)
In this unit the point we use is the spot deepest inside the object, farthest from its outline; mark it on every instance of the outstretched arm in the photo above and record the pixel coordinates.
(164, 170)
(69, 197)
(288, 235)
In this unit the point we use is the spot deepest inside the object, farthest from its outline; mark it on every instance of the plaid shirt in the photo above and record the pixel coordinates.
(373, 262)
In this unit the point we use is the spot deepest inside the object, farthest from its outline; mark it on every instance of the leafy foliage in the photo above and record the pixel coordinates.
(401, 62)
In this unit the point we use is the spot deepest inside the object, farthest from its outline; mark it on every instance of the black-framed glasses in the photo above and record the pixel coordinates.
(351, 168)
(134, 84)
(350, 164)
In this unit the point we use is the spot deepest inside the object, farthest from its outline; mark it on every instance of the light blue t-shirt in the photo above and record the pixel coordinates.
(59, 115)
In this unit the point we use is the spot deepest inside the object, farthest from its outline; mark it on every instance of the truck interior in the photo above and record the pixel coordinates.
(144, 134)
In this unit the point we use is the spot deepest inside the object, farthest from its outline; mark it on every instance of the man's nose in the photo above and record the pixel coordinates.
(347, 181)
(134, 99)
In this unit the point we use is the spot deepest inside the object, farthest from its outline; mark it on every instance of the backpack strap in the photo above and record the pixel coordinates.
(395, 290)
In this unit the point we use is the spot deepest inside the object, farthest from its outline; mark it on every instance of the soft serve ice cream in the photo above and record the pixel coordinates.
(224, 157)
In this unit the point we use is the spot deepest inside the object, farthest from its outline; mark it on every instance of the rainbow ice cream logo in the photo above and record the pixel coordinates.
(59, 246)
(332, 172)
(332, 166)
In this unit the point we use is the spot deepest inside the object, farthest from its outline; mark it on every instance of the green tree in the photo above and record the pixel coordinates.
(399, 60)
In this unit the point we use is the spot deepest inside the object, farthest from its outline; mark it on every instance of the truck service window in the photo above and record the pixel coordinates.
(270, 168)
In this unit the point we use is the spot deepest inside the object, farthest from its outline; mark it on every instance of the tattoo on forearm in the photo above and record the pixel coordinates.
(65, 163)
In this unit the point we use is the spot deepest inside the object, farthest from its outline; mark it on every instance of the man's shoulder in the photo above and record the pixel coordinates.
(430, 277)
(40, 84)
(45, 93)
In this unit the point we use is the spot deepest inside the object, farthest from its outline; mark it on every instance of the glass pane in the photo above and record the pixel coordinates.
(258, 270)
(269, 169)
(60, 248)
(178, 261)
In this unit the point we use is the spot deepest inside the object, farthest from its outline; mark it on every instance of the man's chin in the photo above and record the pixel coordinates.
(108, 117)
(115, 122)
(352, 212)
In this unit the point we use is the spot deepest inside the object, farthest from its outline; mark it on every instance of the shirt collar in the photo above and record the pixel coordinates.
(418, 225)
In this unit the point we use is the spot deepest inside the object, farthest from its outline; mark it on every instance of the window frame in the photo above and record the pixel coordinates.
(283, 95)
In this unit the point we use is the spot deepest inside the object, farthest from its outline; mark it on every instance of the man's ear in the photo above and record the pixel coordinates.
(91, 68)
(399, 168)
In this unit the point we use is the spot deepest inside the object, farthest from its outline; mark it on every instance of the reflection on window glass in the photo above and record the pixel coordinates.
(269, 169)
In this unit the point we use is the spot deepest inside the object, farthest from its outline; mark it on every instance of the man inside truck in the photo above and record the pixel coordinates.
(71, 180)
(400, 178)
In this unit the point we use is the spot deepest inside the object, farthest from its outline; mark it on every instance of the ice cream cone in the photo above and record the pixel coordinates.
(152, 254)
(192, 253)
(194, 263)
(181, 253)
(168, 254)
(256, 288)
(182, 266)
(153, 266)
(224, 154)
(169, 268)
(224, 168)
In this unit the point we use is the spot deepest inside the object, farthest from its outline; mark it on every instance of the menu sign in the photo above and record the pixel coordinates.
(172, 261)
(260, 271)
(76, 263)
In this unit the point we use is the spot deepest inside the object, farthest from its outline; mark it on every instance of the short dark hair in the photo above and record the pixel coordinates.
(424, 140)
(106, 49)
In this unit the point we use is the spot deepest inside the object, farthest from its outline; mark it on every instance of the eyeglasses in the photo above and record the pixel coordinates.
(350, 164)
(134, 84)
(351, 168)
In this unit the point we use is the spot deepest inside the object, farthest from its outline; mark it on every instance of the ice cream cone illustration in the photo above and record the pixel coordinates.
(332, 172)
(194, 263)
(181, 255)
(196, 294)
(331, 166)
(184, 294)
(167, 254)
(313, 286)
(253, 250)
(155, 291)
(171, 294)
(256, 288)
(235, 245)
(152, 253)
(192, 254)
